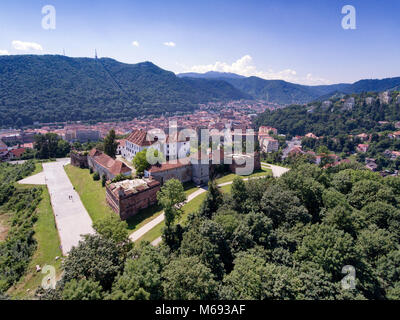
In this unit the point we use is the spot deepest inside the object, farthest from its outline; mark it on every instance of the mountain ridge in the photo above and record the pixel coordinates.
(53, 88)
(280, 91)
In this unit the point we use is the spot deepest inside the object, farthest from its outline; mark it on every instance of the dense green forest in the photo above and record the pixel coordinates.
(338, 116)
(284, 238)
(17, 249)
(57, 88)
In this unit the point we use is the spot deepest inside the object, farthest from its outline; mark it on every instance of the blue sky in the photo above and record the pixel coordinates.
(299, 41)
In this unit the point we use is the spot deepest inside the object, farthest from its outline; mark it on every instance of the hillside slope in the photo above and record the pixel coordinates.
(355, 114)
(284, 92)
(57, 88)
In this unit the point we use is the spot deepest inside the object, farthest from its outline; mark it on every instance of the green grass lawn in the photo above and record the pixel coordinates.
(48, 248)
(92, 194)
(190, 187)
(226, 189)
(93, 197)
(38, 168)
(231, 176)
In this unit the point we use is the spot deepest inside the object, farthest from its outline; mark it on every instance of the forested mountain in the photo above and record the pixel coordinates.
(283, 92)
(57, 88)
(350, 114)
(53, 88)
(211, 75)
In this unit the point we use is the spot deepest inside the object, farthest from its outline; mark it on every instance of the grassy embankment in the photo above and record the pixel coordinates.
(48, 246)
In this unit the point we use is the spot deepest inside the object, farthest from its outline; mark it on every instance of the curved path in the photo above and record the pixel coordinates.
(71, 217)
(277, 171)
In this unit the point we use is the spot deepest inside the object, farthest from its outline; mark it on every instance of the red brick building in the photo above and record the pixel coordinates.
(79, 159)
(127, 197)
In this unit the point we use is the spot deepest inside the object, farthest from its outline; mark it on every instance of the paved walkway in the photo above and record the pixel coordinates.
(39, 178)
(71, 217)
(277, 171)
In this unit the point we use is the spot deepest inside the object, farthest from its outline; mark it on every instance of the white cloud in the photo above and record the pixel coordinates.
(170, 44)
(245, 67)
(4, 53)
(26, 46)
(135, 43)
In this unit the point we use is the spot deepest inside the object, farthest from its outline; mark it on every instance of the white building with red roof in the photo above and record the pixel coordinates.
(134, 143)
(172, 146)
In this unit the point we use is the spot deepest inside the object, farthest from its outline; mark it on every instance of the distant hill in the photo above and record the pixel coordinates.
(211, 75)
(283, 92)
(53, 88)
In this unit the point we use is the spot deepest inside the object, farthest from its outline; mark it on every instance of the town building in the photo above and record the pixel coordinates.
(134, 143)
(172, 146)
(121, 146)
(127, 197)
(362, 147)
(176, 147)
(269, 144)
(16, 153)
(393, 155)
(200, 168)
(79, 159)
(396, 135)
(363, 136)
(105, 165)
(311, 136)
(175, 169)
(195, 168)
(238, 162)
(81, 135)
(267, 130)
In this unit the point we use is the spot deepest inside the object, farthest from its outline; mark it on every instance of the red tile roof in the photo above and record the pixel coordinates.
(122, 142)
(169, 165)
(119, 168)
(139, 137)
(116, 167)
(18, 152)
